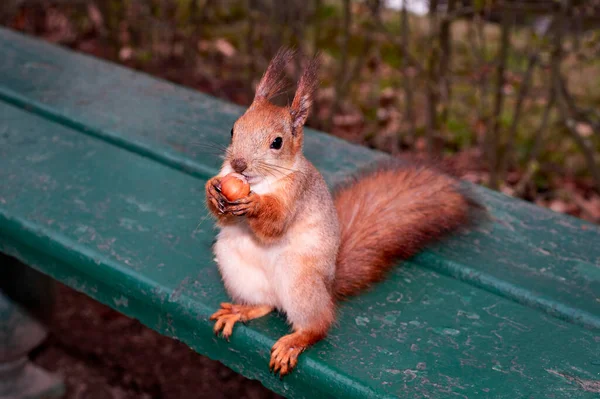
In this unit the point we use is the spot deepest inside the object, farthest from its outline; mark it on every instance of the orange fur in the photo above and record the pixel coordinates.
(390, 214)
(229, 314)
(303, 249)
(275, 211)
(285, 352)
(272, 82)
(269, 219)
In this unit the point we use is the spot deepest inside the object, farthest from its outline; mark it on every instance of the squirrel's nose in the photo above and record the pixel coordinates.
(239, 165)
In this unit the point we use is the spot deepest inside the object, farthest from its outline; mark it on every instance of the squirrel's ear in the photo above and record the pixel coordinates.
(304, 94)
(272, 83)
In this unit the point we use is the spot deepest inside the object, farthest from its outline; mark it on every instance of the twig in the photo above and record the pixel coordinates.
(361, 60)
(512, 133)
(407, 82)
(316, 24)
(492, 137)
(347, 22)
(445, 38)
(298, 23)
(536, 146)
(574, 110)
(251, 67)
(479, 50)
(566, 105)
(313, 119)
(414, 62)
(349, 73)
(457, 13)
(432, 89)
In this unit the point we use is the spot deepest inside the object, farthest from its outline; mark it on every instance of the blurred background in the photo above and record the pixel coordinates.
(506, 91)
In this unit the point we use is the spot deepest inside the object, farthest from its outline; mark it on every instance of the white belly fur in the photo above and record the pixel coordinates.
(279, 274)
(245, 266)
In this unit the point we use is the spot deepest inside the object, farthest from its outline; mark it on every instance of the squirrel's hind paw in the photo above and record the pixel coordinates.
(284, 356)
(285, 352)
(229, 314)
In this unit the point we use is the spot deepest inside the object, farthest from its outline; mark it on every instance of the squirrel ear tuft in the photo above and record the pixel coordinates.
(304, 94)
(272, 82)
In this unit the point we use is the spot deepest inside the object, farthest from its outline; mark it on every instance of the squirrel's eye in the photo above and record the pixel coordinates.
(276, 144)
(231, 132)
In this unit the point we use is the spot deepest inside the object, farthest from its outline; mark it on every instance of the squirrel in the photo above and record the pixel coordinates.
(291, 246)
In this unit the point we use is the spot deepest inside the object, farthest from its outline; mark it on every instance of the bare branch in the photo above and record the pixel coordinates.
(414, 62)
(432, 88)
(341, 77)
(445, 39)
(409, 110)
(538, 136)
(492, 137)
(566, 105)
(479, 51)
(512, 133)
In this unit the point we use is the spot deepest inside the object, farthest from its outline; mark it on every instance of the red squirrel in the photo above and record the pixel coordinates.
(293, 247)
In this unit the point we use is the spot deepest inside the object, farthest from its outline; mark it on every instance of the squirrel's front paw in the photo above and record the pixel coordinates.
(214, 196)
(246, 206)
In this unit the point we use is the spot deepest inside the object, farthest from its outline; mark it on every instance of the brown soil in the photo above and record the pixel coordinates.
(103, 355)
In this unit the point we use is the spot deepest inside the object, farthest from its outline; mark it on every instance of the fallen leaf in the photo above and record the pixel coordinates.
(95, 16)
(224, 47)
(387, 97)
(584, 129)
(125, 53)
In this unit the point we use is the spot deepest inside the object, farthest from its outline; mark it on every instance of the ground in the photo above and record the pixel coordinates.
(103, 355)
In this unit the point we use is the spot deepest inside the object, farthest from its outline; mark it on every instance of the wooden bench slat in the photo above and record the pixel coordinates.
(418, 318)
(120, 228)
(166, 122)
(530, 255)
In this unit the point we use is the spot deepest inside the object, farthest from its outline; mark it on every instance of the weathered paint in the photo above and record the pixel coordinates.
(100, 189)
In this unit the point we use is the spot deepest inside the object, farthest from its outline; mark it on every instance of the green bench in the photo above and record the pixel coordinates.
(102, 188)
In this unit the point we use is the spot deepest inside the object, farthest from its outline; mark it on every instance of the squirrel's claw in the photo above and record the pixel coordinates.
(225, 323)
(214, 195)
(229, 314)
(243, 201)
(226, 317)
(217, 204)
(284, 355)
(242, 206)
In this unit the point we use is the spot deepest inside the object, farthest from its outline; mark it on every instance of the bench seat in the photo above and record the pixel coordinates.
(102, 174)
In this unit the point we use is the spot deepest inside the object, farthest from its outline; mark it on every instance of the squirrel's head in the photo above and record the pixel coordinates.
(267, 139)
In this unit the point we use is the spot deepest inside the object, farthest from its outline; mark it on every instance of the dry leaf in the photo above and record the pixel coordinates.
(387, 97)
(224, 47)
(95, 16)
(584, 129)
(508, 190)
(125, 53)
(203, 45)
(383, 115)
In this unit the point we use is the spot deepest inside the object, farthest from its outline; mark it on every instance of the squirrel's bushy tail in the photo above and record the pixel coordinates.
(389, 214)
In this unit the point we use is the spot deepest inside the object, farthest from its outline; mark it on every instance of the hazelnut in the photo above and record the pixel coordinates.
(234, 186)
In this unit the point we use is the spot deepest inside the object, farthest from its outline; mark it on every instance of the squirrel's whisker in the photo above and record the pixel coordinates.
(282, 167)
(279, 168)
(272, 171)
(206, 144)
(261, 169)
